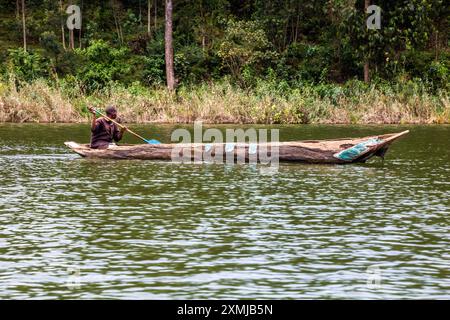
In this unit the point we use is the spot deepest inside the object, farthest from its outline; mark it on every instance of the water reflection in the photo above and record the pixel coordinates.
(76, 228)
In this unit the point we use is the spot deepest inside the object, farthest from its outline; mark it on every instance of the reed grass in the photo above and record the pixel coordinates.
(222, 102)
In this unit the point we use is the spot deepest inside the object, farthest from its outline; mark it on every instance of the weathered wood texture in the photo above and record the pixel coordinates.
(311, 151)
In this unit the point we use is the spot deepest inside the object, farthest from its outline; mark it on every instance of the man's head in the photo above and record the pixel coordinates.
(111, 112)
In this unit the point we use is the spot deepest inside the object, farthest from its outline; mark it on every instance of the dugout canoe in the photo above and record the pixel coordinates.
(336, 151)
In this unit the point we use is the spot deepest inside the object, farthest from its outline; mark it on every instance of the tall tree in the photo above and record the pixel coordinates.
(366, 62)
(149, 14)
(170, 74)
(156, 12)
(24, 26)
(116, 10)
(71, 35)
(81, 25)
(140, 13)
(63, 32)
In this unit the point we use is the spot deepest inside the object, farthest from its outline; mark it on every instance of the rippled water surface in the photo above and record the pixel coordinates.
(77, 228)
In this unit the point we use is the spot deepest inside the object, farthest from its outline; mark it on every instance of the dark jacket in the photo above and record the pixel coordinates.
(104, 133)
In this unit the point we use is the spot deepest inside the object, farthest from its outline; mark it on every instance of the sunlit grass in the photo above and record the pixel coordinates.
(222, 102)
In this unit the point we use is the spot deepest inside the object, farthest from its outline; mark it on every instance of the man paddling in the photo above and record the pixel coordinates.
(104, 131)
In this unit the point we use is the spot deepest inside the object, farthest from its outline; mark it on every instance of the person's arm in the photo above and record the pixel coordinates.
(118, 134)
(94, 118)
(94, 124)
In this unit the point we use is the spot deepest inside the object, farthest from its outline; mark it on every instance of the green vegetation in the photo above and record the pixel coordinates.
(235, 61)
(224, 102)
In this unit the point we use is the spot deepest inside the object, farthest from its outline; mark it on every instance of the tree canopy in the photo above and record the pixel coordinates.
(298, 41)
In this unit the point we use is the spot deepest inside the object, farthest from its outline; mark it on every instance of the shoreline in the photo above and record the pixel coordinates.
(224, 103)
(87, 122)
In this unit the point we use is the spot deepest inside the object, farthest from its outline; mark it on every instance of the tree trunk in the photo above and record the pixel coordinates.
(140, 13)
(149, 14)
(81, 25)
(117, 22)
(203, 31)
(63, 33)
(71, 39)
(366, 72)
(297, 24)
(17, 9)
(71, 35)
(436, 47)
(170, 75)
(366, 63)
(156, 12)
(120, 30)
(24, 27)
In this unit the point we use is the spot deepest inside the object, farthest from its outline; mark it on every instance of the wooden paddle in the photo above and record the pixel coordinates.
(151, 141)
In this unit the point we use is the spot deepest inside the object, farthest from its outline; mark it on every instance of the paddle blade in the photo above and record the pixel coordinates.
(152, 141)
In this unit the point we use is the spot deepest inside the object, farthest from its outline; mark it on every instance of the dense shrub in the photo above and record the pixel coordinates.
(153, 72)
(102, 64)
(245, 50)
(308, 62)
(27, 65)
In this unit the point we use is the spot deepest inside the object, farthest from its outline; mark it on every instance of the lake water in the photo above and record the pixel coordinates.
(77, 228)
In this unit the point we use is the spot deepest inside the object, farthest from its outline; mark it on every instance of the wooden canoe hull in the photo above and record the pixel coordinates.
(311, 151)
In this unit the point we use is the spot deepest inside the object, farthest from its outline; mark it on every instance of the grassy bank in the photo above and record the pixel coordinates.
(221, 102)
